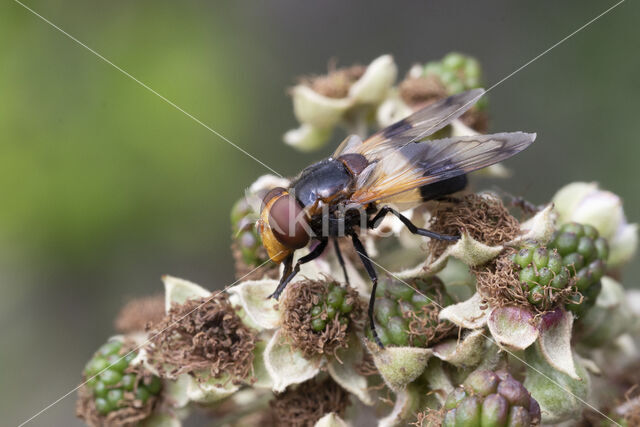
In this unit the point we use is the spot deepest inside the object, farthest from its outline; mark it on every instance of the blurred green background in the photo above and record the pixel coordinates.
(105, 187)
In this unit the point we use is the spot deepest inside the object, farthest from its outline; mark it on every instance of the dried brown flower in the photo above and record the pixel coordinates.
(485, 219)
(140, 314)
(203, 335)
(296, 306)
(629, 410)
(337, 82)
(430, 418)
(305, 404)
(418, 92)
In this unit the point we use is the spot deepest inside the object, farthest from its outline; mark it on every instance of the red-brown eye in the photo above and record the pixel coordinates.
(354, 162)
(270, 195)
(288, 222)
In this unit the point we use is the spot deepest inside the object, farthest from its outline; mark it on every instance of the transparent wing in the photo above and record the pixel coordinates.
(413, 165)
(416, 127)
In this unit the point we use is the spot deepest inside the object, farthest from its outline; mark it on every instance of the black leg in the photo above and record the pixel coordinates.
(373, 223)
(371, 271)
(289, 274)
(288, 265)
(336, 246)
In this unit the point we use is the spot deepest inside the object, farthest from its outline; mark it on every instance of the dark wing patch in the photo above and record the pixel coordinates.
(416, 164)
(416, 127)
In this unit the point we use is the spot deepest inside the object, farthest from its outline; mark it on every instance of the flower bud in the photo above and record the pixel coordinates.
(317, 110)
(609, 318)
(374, 85)
(623, 244)
(586, 203)
(321, 103)
(307, 137)
(392, 110)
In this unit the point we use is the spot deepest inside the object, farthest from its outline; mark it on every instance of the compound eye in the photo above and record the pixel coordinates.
(287, 220)
(270, 195)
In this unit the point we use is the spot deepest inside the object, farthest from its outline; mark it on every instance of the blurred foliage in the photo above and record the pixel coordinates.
(89, 157)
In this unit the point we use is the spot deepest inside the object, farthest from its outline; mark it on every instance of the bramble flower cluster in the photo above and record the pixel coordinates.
(522, 321)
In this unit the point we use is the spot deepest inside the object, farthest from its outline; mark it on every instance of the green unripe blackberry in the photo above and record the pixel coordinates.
(397, 330)
(589, 297)
(561, 279)
(490, 399)
(540, 267)
(336, 303)
(575, 256)
(457, 72)
(407, 315)
(246, 239)
(585, 254)
(246, 245)
(113, 383)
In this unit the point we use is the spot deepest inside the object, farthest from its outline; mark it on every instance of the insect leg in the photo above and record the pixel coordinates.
(371, 271)
(287, 276)
(407, 222)
(288, 265)
(336, 246)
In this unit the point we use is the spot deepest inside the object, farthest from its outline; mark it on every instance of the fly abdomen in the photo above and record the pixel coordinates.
(443, 188)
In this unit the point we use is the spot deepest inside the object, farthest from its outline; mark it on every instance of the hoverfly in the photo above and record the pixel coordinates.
(362, 179)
